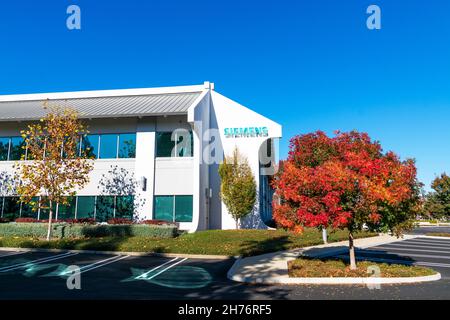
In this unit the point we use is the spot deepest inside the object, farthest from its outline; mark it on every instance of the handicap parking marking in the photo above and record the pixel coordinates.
(9, 254)
(36, 262)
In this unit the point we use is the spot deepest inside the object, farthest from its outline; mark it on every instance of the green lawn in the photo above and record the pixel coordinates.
(317, 268)
(217, 242)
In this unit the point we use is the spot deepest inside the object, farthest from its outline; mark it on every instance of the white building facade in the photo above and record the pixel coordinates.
(156, 151)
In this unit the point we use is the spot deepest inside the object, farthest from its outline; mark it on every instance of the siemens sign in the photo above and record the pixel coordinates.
(246, 132)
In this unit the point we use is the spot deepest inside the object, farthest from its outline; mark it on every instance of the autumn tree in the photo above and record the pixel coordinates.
(437, 203)
(345, 181)
(238, 186)
(58, 165)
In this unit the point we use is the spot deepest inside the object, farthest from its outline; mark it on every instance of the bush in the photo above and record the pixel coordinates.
(65, 230)
(25, 220)
(156, 222)
(119, 221)
(3, 220)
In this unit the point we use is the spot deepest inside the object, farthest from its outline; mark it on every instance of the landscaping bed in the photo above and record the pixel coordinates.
(333, 268)
(213, 242)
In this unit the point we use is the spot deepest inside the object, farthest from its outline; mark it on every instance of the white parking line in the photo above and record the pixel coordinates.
(9, 254)
(143, 276)
(416, 255)
(429, 244)
(412, 246)
(394, 248)
(37, 261)
(99, 264)
(440, 242)
(416, 263)
(165, 269)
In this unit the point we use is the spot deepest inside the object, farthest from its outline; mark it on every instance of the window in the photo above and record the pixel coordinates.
(124, 207)
(27, 210)
(177, 208)
(166, 147)
(17, 149)
(89, 145)
(85, 207)
(183, 208)
(104, 209)
(127, 145)
(11, 208)
(45, 212)
(67, 211)
(4, 149)
(164, 208)
(108, 146)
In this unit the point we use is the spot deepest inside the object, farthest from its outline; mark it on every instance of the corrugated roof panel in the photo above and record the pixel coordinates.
(104, 107)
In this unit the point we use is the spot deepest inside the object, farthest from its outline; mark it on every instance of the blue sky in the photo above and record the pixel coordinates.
(308, 65)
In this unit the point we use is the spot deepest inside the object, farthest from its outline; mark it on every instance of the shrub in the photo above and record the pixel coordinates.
(119, 221)
(66, 230)
(25, 220)
(156, 222)
(4, 220)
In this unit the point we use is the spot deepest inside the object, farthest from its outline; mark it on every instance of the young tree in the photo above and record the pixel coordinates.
(238, 186)
(437, 203)
(58, 165)
(345, 181)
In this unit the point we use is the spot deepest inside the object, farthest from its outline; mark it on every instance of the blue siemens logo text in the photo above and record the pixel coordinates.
(247, 132)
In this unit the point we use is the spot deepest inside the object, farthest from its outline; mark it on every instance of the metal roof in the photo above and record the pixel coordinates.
(103, 107)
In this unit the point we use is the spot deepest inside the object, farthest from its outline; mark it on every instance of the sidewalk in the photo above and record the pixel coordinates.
(272, 267)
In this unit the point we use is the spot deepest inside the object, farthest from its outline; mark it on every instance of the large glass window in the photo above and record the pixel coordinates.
(11, 208)
(104, 208)
(174, 208)
(166, 146)
(67, 211)
(44, 213)
(89, 145)
(108, 146)
(4, 149)
(85, 207)
(127, 145)
(164, 208)
(17, 149)
(183, 208)
(124, 207)
(27, 209)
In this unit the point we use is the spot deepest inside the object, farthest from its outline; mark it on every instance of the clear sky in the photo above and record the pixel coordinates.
(308, 65)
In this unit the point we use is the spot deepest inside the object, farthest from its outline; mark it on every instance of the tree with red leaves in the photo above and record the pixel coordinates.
(345, 181)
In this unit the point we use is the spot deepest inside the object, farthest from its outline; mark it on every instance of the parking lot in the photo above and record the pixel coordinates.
(43, 275)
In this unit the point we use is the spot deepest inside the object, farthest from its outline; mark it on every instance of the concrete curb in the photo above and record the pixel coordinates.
(125, 253)
(336, 281)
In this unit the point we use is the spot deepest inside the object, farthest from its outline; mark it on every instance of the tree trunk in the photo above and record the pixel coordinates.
(50, 215)
(324, 235)
(237, 224)
(351, 249)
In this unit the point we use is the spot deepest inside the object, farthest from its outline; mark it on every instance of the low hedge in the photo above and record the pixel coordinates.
(66, 230)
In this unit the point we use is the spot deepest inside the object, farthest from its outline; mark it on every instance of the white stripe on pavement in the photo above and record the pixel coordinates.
(37, 261)
(441, 242)
(142, 276)
(415, 255)
(165, 269)
(393, 248)
(430, 244)
(97, 265)
(410, 245)
(416, 263)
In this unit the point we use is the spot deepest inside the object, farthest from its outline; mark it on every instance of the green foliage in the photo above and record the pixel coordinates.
(437, 204)
(65, 230)
(238, 187)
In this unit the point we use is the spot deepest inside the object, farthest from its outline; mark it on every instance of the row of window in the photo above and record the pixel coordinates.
(177, 208)
(109, 146)
(101, 208)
